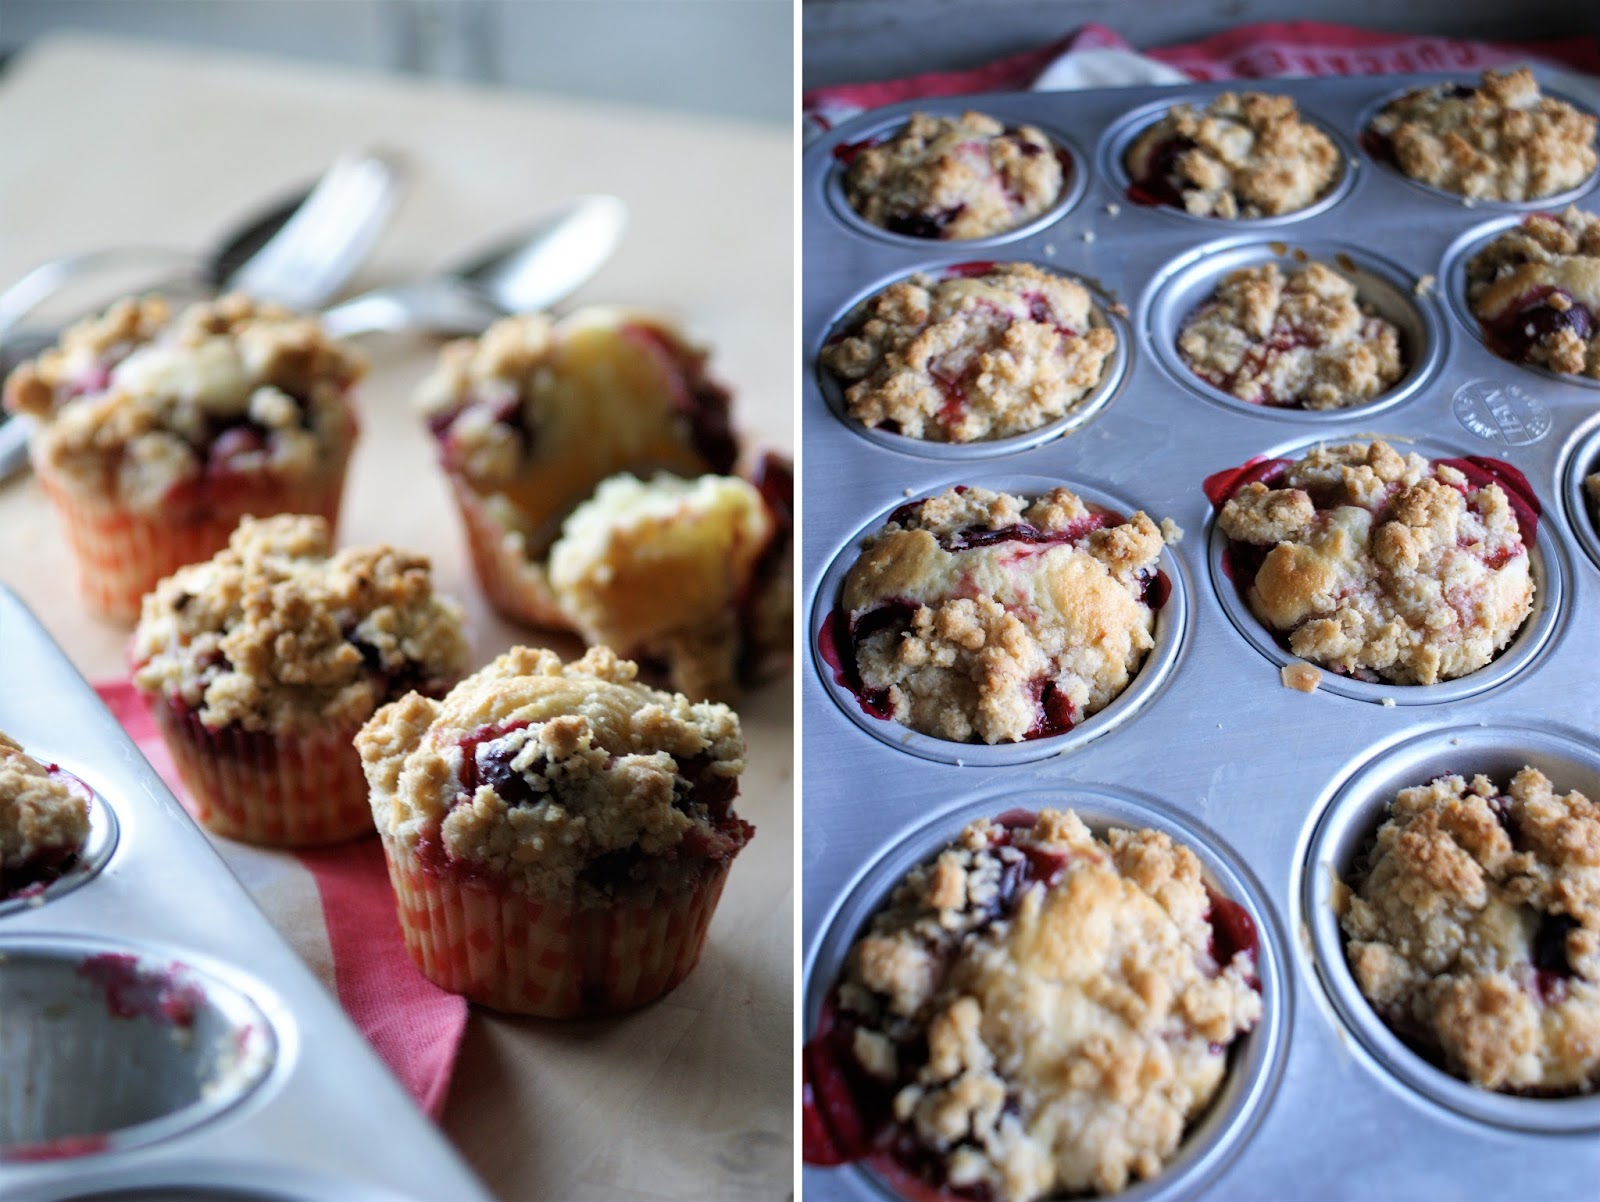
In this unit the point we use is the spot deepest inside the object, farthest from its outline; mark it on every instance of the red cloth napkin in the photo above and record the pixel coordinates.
(1248, 52)
(414, 1025)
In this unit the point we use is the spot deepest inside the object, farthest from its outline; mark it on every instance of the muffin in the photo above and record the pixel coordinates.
(987, 351)
(1503, 140)
(44, 820)
(261, 664)
(1037, 1013)
(687, 573)
(1473, 928)
(980, 616)
(1384, 566)
(1296, 341)
(954, 177)
(1245, 155)
(557, 835)
(1535, 290)
(158, 432)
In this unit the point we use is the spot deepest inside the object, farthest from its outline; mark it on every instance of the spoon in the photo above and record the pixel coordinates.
(299, 252)
(531, 271)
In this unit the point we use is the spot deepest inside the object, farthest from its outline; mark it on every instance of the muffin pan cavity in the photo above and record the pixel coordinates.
(1343, 831)
(1171, 626)
(1383, 289)
(1102, 314)
(1255, 1059)
(1075, 171)
(1547, 565)
(92, 857)
(1119, 138)
(109, 1046)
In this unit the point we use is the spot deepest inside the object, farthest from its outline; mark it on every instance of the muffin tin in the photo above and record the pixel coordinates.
(158, 1039)
(1273, 788)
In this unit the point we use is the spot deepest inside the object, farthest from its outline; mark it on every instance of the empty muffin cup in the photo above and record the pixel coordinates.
(105, 1047)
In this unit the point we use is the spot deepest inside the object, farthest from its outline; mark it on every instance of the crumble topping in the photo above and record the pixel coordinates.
(1503, 140)
(1297, 341)
(1535, 290)
(538, 411)
(991, 351)
(1474, 930)
(954, 177)
(983, 616)
(43, 819)
(1049, 1009)
(150, 410)
(1243, 155)
(279, 632)
(1302, 678)
(560, 781)
(663, 570)
(1382, 565)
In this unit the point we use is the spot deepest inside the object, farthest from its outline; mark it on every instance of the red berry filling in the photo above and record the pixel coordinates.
(1535, 318)
(774, 480)
(913, 224)
(134, 992)
(1163, 182)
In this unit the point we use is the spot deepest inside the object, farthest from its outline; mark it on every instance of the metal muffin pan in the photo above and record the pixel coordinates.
(1096, 399)
(1256, 1059)
(157, 1036)
(1222, 745)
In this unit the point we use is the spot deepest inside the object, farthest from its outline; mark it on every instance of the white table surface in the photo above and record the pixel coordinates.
(105, 142)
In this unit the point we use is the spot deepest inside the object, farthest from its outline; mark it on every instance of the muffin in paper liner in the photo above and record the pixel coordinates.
(558, 835)
(157, 431)
(122, 555)
(543, 958)
(287, 790)
(261, 664)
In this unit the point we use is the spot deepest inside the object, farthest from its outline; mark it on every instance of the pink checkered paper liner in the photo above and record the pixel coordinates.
(414, 1026)
(1260, 51)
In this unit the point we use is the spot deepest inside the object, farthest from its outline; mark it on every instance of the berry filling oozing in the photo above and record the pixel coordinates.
(847, 1113)
(1163, 182)
(1533, 319)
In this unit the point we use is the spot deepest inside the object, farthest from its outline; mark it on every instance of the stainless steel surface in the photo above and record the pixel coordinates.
(1248, 766)
(532, 271)
(326, 1120)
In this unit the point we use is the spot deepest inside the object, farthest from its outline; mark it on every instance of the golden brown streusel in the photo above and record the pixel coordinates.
(1503, 140)
(1535, 289)
(1474, 930)
(971, 357)
(281, 633)
(144, 408)
(1298, 341)
(954, 177)
(1006, 616)
(1383, 564)
(532, 771)
(1045, 1005)
(44, 819)
(1248, 155)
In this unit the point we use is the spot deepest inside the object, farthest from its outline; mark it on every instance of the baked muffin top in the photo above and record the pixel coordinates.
(44, 819)
(674, 570)
(1381, 565)
(151, 410)
(1047, 1009)
(1503, 140)
(954, 177)
(1243, 155)
(538, 411)
(280, 633)
(1300, 341)
(1474, 929)
(980, 616)
(562, 781)
(990, 350)
(1535, 290)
